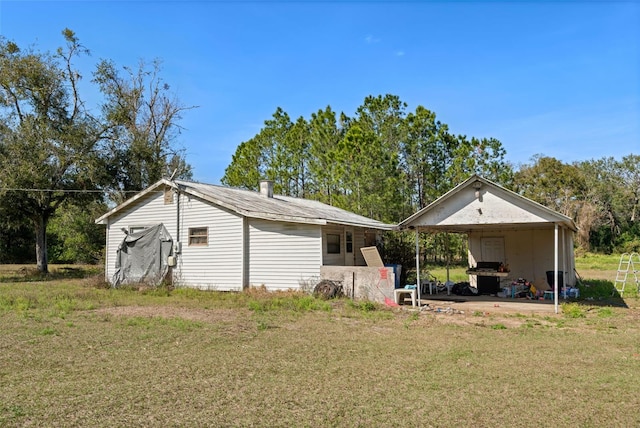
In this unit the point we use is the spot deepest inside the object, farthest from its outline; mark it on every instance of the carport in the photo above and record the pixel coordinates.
(526, 238)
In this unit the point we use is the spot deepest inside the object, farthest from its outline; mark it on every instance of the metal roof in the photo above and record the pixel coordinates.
(253, 204)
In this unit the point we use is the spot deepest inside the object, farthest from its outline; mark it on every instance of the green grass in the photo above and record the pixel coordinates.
(74, 354)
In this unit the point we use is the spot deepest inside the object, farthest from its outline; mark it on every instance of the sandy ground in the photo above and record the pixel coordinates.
(489, 304)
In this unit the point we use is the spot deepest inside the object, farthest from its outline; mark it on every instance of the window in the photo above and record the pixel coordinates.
(333, 243)
(198, 236)
(134, 229)
(349, 242)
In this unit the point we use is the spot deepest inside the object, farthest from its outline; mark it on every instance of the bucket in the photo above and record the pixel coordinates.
(550, 279)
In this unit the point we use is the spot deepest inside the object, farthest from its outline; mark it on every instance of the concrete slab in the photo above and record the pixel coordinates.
(489, 304)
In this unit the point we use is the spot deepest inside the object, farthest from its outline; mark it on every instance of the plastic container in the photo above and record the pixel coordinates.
(397, 270)
(550, 280)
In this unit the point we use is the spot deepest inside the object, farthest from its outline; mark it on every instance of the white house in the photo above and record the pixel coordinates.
(527, 238)
(228, 239)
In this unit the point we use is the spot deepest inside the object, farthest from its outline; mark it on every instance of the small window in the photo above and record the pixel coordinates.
(349, 242)
(198, 236)
(134, 229)
(333, 243)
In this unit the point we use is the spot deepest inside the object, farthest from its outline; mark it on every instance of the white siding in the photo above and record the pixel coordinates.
(283, 255)
(218, 265)
(215, 266)
(148, 211)
(493, 206)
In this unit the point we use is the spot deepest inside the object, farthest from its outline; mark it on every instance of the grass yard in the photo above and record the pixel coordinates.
(76, 354)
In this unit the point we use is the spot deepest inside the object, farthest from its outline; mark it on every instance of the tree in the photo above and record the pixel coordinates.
(48, 142)
(614, 192)
(246, 168)
(426, 154)
(265, 156)
(324, 136)
(56, 155)
(562, 188)
(141, 116)
(73, 236)
(381, 120)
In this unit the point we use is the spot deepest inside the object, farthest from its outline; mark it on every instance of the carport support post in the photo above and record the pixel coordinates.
(564, 262)
(418, 264)
(555, 268)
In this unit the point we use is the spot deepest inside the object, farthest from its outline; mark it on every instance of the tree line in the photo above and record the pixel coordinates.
(64, 162)
(387, 163)
(384, 163)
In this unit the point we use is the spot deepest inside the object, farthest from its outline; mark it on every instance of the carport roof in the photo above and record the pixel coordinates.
(480, 204)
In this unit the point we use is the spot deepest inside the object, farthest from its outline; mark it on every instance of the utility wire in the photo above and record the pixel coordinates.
(10, 189)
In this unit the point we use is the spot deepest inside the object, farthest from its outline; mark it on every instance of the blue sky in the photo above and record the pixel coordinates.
(559, 78)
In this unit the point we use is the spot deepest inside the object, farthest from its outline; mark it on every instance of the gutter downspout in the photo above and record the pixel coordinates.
(178, 220)
(418, 264)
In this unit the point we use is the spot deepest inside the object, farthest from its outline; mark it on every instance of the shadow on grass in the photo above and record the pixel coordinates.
(31, 274)
(598, 292)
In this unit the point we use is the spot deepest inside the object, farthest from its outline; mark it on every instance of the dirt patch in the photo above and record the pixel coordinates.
(211, 316)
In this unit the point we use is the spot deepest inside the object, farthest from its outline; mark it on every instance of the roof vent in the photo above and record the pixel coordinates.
(266, 188)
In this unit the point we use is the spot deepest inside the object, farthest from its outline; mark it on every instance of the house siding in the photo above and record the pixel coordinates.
(283, 255)
(219, 264)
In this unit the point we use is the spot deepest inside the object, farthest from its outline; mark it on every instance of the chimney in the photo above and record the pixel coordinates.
(266, 188)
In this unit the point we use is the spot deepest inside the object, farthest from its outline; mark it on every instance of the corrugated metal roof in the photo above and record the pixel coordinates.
(255, 205)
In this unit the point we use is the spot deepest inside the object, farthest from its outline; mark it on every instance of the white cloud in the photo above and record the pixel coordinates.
(371, 39)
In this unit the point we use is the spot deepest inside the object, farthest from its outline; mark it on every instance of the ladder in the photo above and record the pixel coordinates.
(629, 263)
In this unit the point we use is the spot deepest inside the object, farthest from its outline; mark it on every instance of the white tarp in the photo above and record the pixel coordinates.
(142, 257)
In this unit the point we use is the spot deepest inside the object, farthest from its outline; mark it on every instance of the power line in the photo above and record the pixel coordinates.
(18, 189)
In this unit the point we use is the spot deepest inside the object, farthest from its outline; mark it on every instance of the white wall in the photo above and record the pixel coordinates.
(217, 265)
(283, 255)
(240, 251)
(529, 252)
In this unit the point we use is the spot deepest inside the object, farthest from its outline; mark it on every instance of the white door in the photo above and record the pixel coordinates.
(349, 254)
(493, 250)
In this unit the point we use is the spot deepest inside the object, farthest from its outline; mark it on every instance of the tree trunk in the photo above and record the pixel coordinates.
(42, 263)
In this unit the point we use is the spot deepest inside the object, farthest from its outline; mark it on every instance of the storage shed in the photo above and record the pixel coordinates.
(227, 239)
(504, 229)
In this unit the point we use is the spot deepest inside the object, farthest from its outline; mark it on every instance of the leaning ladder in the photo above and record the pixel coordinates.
(629, 263)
